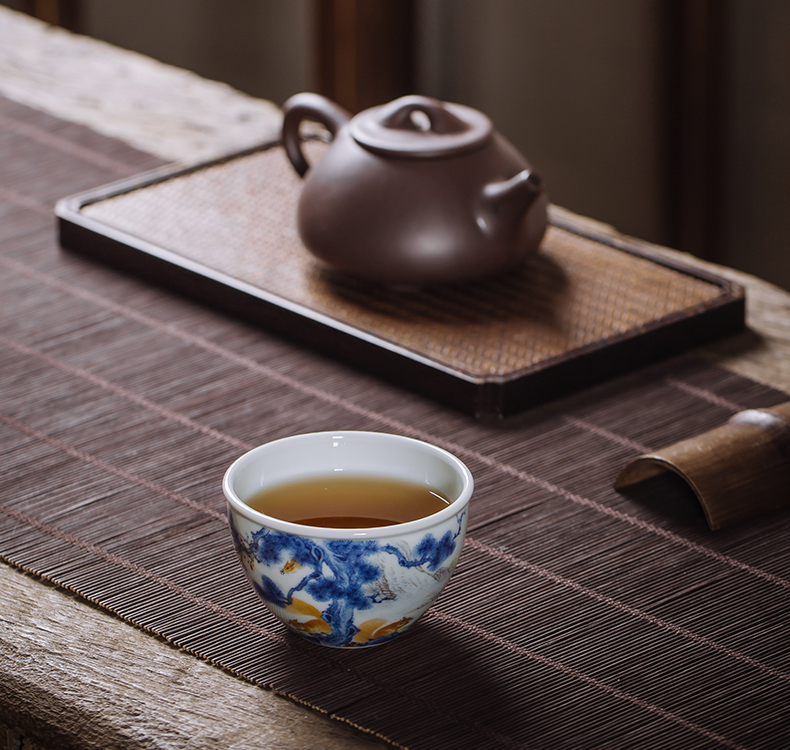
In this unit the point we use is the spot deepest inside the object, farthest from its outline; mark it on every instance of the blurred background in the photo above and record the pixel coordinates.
(669, 119)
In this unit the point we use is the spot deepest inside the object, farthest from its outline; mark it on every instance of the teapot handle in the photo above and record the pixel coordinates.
(315, 108)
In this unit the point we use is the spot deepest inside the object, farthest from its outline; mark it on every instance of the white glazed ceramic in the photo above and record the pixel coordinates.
(348, 587)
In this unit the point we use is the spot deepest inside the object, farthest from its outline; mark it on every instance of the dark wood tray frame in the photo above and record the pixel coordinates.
(484, 397)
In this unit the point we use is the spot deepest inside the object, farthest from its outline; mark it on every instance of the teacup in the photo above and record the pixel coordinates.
(348, 587)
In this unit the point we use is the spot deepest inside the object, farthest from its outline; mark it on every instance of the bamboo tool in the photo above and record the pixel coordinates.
(737, 471)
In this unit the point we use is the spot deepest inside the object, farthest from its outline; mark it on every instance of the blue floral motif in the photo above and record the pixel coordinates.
(428, 552)
(337, 571)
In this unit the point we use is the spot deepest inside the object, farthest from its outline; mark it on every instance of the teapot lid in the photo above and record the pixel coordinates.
(421, 127)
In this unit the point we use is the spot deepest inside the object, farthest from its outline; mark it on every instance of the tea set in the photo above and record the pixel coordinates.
(412, 193)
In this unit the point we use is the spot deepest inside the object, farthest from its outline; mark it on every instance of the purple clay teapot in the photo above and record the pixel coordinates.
(414, 192)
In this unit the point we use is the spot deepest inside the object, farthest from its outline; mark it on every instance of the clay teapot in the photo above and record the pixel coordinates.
(414, 192)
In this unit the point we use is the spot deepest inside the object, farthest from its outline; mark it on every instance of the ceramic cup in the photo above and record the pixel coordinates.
(348, 587)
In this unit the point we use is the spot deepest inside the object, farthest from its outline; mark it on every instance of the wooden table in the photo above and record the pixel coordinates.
(72, 675)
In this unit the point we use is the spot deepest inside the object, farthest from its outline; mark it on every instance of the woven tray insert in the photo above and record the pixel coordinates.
(238, 217)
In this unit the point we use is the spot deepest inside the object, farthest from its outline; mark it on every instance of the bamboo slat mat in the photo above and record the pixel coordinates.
(577, 617)
(239, 217)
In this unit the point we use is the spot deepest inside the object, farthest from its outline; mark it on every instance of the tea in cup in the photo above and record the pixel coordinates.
(348, 537)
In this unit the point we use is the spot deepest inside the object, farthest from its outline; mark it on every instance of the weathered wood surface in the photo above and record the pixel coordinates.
(74, 676)
(158, 108)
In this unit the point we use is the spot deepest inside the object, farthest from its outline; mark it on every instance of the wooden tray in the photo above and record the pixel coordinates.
(585, 308)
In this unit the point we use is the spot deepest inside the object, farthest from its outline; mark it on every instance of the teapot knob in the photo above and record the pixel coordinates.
(421, 128)
(439, 119)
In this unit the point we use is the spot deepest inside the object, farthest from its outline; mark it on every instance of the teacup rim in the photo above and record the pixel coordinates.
(458, 505)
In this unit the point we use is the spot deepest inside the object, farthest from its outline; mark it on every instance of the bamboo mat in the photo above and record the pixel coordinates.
(577, 617)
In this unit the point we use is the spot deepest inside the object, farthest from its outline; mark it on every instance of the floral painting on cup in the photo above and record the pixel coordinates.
(346, 593)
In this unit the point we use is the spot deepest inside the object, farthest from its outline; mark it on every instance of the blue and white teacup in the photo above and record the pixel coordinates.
(348, 587)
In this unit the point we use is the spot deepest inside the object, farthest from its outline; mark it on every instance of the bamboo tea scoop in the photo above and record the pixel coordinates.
(737, 471)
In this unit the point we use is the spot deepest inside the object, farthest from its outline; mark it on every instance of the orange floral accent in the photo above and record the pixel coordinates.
(301, 607)
(312, 626)
(392, 627)
(370, 630)
(367, 628)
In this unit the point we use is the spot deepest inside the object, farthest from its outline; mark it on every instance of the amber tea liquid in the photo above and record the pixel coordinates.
(342, 502)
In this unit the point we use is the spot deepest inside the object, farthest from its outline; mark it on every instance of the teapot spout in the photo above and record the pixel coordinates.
(504, 203)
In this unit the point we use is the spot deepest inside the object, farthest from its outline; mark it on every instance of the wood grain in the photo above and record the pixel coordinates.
(72, 675)
(160, 109)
